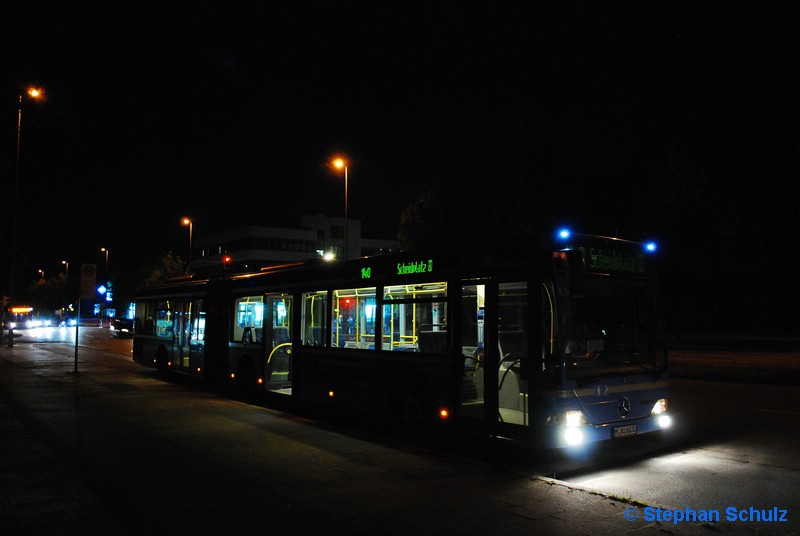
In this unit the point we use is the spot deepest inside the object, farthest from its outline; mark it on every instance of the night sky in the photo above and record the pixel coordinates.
(229, 113)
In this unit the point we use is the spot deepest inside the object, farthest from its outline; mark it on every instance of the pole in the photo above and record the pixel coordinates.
(16, 209)
(346, 224)
(77, 327)
(190, 241)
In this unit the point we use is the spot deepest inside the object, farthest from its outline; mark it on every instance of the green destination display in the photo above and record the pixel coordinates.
(614, 259)
(403, 268)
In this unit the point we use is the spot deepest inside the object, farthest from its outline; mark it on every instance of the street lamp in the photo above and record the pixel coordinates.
(66, 264)
(186, 221)
(341, 163)
(34, 93)
(41, 273)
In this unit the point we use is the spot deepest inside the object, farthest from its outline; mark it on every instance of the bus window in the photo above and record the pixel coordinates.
(415, 318)
(473, 302)
(145, 319)
(164, 318)
(549, 331)
(249, 322)
(354, 318)
(279, 340)
(315, 308)
(512, 342)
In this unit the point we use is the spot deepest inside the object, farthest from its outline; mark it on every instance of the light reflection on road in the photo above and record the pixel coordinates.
(45, 333)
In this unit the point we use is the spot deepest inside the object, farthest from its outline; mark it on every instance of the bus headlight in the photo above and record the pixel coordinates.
(573, 436)
(570, 419)
(659, 407)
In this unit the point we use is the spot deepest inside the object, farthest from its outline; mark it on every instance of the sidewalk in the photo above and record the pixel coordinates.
(40, 493)
(348, 487)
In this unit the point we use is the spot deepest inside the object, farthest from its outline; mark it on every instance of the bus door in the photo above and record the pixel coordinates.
(511, 343)
(197, 329)
(473, 305)
(188, 330)
(278, 342)
(495, 347)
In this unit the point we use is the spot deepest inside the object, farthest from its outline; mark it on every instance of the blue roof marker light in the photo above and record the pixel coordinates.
(563, 234)
(650, 247)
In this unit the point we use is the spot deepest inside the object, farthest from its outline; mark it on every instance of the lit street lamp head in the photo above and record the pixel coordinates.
(186, 221)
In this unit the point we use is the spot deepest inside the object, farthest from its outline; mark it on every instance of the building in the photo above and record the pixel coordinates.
(252, 247)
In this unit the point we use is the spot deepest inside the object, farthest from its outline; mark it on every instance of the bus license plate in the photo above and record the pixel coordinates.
(624, 431)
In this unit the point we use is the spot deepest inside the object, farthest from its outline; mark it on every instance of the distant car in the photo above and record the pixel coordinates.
(122, 327)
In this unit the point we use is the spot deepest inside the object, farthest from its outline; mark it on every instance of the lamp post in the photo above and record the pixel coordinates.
(186, 221)
(34, 93)
(41, 274)
(66, 264)
(103, 308)
(341, 163)
(105, 250)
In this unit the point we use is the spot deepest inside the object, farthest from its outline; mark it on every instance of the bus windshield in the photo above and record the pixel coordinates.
(614, 326)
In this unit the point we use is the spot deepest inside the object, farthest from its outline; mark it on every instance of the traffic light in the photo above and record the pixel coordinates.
(226, 261)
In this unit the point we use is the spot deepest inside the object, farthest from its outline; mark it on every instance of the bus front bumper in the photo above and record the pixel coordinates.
(577, 436)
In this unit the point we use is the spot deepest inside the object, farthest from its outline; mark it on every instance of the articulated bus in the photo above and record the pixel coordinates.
(559, 348)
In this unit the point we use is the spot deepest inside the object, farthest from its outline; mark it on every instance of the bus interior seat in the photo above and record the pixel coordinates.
(258, 333)
(280, 335)
(514, 343)
(433, 342)
(314, 336)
